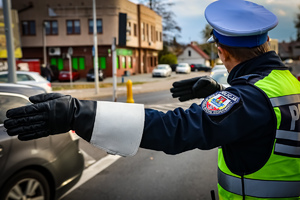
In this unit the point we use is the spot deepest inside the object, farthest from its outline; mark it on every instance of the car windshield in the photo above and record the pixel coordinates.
(220, 77)
(161, 67)
(8, 102)
(181, 65)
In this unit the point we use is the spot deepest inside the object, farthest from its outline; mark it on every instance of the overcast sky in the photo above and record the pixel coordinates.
(190, 17)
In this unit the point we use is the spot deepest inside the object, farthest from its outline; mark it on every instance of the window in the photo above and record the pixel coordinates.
(123, 62)
(190, 53)
(147, 32)
(59, 62)
(129, 28)
(134, 30)
(73, 27)
(28, 28)
(101, 62)
(160, 36)
(91, 26)
(78, 63)
(51, 27)
(143, 31)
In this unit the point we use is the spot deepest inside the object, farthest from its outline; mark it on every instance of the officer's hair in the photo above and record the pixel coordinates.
(243, 53)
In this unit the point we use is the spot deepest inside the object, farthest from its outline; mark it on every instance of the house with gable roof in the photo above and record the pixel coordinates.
(192, 54)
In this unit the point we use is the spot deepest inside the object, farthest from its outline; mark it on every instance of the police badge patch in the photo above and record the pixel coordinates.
(219, 103)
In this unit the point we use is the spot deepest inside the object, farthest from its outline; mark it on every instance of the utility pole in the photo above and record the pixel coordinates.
(114, 69)
(11, 61)
(96, 69)
(44, 43)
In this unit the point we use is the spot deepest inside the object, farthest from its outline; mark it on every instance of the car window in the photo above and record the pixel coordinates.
(7, 102)
(3, 78)
(24, 77)
(161, 67)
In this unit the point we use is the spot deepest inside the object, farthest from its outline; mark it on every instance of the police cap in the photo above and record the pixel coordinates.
(239, 23)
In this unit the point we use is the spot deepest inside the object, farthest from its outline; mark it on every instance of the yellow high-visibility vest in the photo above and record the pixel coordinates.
(279, 178)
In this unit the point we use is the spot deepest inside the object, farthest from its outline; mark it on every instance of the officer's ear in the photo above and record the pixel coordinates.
(223, 54)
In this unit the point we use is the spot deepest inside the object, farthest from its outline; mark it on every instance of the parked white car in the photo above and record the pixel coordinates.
(183, 68)
(28, 78)
(162, 70)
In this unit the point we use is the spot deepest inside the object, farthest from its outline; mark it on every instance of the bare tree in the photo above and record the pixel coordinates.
(206, 32)
(170, 27)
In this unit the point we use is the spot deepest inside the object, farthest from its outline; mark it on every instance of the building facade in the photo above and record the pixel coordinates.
(192, 54)
(50, 29)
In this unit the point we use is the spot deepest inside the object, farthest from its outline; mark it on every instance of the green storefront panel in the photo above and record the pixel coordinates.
(102, 62)
(75, 63)
(81, 63)
(60, 64)
(53, 61)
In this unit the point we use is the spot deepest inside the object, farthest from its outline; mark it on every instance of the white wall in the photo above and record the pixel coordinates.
(193, 58)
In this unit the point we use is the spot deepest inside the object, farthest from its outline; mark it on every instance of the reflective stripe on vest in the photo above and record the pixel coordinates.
(292, 134)
(259, 188)
(285, 100)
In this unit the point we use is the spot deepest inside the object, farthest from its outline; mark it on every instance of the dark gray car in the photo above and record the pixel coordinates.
(38, 169)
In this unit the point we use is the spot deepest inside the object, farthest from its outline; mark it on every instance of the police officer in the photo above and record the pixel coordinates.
(255, 122)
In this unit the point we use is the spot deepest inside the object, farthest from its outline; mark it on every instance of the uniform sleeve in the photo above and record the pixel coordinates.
(204, 127)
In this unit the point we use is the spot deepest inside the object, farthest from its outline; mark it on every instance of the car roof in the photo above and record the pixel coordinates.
(26, 90)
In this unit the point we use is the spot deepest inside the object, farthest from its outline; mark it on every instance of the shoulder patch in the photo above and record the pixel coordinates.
(219, 103)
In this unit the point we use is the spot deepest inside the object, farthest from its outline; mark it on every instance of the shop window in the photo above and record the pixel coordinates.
(123, 62)
(129, 62)
(78, 63)
(59, 62)
(101, 62)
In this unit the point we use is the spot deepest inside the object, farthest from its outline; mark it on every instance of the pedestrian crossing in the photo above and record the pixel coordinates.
(172, 106)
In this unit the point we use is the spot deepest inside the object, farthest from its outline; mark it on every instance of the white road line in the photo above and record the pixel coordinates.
(94, 169)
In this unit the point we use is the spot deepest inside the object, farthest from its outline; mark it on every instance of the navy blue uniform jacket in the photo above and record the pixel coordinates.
(246, 132)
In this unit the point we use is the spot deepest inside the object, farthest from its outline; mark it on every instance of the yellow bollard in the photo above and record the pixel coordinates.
(129, 92)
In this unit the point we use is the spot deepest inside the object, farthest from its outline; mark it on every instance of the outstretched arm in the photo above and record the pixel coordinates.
(199, 87)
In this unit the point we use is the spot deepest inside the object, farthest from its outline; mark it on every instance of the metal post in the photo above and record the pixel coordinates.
(114, 69)
(70, 69)
(95, 50)
(11, 61)
(44, 43)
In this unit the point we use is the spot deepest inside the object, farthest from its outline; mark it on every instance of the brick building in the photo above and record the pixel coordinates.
(57, 25)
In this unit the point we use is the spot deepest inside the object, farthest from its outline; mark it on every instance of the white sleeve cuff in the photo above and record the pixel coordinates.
(118, 127)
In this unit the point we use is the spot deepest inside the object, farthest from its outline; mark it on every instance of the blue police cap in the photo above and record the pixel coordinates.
(239, 23)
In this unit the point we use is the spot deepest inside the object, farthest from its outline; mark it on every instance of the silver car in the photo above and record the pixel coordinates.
(45, 168)
(28, 78)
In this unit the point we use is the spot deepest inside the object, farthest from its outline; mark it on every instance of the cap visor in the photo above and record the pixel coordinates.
(211, 39)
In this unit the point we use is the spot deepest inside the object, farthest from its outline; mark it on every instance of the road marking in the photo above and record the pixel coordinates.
(94, 169)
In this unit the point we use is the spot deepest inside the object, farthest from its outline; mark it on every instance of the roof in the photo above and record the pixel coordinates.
(198, 50)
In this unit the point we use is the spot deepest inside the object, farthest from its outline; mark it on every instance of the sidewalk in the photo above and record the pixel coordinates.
(150, 85)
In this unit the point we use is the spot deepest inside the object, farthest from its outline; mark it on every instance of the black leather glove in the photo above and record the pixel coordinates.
(51, 114)
(199, 87)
